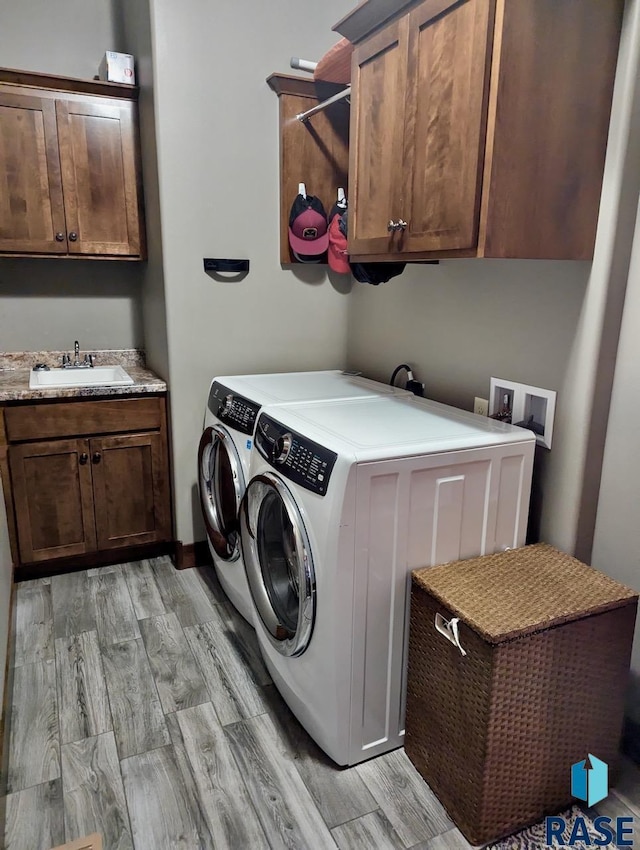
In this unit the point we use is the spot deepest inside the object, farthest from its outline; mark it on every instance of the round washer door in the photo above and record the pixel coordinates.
(278, 563)
(221, 482)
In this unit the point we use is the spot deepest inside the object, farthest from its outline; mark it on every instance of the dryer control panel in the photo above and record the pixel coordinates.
(232, 409)
(300, 460)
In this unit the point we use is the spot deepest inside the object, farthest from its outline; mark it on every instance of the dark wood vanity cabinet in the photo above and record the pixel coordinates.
(88, 476)
(53, 499)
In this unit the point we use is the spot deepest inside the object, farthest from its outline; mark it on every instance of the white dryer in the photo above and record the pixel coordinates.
(233, 404)
(344, 499)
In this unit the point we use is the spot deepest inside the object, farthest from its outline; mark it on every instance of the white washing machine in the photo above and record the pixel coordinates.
(232, 409)
(344, 500)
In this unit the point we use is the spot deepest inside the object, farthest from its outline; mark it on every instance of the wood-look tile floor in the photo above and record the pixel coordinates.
(141, 710)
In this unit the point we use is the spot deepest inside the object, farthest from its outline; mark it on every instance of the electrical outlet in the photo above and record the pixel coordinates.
(481, 406)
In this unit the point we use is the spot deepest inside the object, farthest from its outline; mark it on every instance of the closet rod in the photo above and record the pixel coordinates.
(304, 116)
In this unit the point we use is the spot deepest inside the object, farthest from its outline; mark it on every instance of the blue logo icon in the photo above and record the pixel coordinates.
(590, 784)
(249, 444)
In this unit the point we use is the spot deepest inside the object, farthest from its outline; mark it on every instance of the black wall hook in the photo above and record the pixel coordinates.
(216, 264)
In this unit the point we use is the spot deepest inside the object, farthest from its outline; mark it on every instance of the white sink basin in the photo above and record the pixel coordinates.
(98, 376)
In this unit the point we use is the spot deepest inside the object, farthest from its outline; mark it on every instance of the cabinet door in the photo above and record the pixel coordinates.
(31, 202)
(99, 176)
(447, 90)
(131, 490)
(378, 79)
(53, 499)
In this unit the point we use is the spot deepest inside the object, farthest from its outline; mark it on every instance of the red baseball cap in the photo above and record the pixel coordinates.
(337, 256)
(308, 229)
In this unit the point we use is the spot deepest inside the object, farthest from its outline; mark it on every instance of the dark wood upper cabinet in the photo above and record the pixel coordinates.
(69, 169)
(479, 127)
(31, 200)
(377, 129)
(99, 177)
(447, 87)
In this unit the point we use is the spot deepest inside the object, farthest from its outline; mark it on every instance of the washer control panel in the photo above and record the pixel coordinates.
(300, 460)
(232, 409)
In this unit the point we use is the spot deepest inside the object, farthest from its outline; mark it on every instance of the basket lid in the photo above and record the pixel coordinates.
(521, 591)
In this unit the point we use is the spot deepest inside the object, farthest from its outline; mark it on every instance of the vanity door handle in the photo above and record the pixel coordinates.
(73, 237)
(84, 457)
(96, 457)
(59, 237)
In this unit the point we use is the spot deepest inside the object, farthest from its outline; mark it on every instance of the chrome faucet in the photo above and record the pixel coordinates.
(87, 363)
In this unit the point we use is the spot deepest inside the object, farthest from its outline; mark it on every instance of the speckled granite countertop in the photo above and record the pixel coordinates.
(15, 367)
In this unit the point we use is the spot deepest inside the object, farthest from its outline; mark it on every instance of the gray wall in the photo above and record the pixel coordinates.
(137, 39)
(67, 38)
(44, 303)
(551, 324)
(217, 138)
(462, 321)
(616, 548)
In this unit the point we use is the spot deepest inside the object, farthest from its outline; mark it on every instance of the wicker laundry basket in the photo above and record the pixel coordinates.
(548, 642)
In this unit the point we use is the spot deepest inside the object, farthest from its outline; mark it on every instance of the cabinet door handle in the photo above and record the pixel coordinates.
(59, 237)
(96, 457)
(73, 237)
(84, 457)
(392, 226)
(402, 225)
